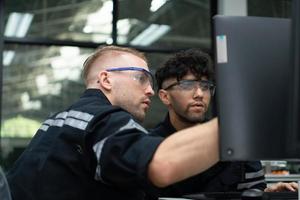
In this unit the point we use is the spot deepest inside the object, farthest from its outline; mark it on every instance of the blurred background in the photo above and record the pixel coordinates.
(45, 42)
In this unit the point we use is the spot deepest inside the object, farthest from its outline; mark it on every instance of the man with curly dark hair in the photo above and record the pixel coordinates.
(186, 87)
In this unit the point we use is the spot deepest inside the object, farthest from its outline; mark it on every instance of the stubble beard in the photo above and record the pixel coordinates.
(136, 112)
(192, 118)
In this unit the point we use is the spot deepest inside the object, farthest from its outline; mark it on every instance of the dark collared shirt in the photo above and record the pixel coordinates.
(224, 176)
(92, 150)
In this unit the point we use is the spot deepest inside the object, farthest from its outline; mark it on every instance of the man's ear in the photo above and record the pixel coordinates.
(164, 96)
(104, 80)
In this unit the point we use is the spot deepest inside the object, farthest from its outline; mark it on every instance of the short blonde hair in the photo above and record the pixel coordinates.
(103, 50)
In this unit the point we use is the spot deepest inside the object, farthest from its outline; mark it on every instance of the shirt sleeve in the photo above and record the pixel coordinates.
(254, 176)
(123, 150)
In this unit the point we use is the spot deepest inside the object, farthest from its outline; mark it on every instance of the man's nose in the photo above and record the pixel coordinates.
(199, 92)
(150, 90)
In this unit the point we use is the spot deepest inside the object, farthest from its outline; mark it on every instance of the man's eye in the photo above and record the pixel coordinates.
(204, 86)
(141, 78)
(187, 85)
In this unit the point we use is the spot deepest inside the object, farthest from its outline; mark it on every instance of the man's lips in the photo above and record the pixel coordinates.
(147, 102)
(197, 106)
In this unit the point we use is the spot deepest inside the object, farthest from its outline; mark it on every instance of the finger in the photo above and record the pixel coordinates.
(289, 186)
(294, 185)
(272, 188)
(281, 186)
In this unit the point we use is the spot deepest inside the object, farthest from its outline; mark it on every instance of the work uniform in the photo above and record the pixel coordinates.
(92, 150)
(222, 177)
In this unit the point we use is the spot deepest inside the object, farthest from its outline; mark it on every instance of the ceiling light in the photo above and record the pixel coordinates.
(156, 4)
(150, 35)
(18, 24)
(8, 56)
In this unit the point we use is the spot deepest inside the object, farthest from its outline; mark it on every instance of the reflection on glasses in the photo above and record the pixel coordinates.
(188, 85)
(145, 78)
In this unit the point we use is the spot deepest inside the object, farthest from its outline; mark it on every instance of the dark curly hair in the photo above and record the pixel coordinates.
(193, 60)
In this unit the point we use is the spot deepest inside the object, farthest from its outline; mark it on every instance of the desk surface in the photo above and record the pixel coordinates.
(238, 196)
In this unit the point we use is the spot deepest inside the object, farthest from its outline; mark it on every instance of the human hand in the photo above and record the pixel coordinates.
(281, 186)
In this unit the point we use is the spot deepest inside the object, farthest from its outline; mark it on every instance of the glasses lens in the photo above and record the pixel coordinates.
(207, 86)
(144, 79)
(187, 84)
(143, 76)
(204, 85)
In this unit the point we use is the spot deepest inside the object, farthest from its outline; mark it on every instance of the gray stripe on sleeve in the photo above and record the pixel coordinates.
(257, 174)
(97, 148)
(249, 184)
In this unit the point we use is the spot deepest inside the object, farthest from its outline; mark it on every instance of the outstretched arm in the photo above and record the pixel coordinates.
(185, 154)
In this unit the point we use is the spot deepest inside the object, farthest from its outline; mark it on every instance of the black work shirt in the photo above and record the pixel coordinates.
(92, 150)
(223, 176)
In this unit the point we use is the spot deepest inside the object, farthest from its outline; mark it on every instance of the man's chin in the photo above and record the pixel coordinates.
(197, 119)
(139, 117)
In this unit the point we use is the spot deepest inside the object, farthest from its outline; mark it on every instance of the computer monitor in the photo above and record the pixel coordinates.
(293, 137)
(255, 79)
